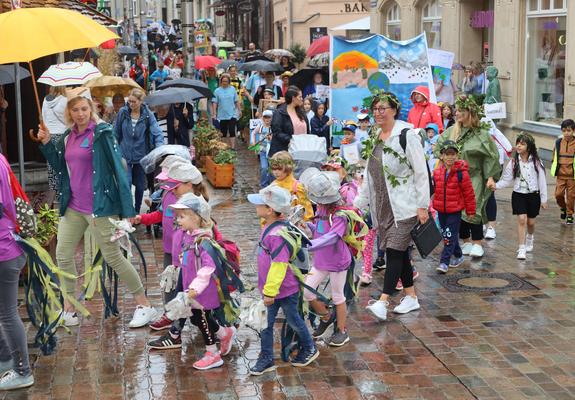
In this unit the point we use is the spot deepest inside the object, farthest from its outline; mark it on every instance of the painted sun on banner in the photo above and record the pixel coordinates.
(358, 68)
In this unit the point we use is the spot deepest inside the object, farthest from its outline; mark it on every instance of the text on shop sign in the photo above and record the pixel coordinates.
(354, 7)
(482, 19)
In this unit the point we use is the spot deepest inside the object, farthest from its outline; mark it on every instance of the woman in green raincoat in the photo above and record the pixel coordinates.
(478, 149)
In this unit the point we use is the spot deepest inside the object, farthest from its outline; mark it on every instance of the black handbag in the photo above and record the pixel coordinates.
(426, 237)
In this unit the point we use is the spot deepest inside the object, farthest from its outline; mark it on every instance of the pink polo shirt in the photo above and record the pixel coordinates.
(79, 157)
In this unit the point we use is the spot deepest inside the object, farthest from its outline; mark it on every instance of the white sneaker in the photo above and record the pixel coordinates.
(378, 308)
(529, 243)
(476, 251)
(490, 233)
(143, 316)
(521, 253)
(466, 248)
(70, 318)
(406, 305)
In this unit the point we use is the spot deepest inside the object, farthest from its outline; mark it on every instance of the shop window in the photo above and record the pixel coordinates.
(431, 23)
(393, 22)
(545, 62)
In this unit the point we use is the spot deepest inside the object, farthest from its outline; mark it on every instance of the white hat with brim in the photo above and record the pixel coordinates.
(185, 172)
(322, 186)
(197, 204)
(273, 196)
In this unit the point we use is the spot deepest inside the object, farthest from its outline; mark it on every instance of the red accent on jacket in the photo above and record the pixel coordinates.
(451, 195)
(152, 218)
(425, 112)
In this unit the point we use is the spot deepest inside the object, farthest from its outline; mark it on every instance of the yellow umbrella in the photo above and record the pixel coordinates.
(30, 33)
(108, 86)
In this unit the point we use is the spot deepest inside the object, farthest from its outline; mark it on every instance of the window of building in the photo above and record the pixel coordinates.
(545, 61)
(393, 22)
(431, 23)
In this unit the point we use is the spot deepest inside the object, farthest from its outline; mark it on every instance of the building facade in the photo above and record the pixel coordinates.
(525, 39)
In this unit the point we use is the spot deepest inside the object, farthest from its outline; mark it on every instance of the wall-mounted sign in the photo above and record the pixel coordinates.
(316, 33)
(482, 19)
(354, 8)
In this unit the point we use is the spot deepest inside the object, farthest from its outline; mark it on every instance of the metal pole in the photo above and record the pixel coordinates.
(19, 130)
(188, 37)
(144, 30)
(130, 23)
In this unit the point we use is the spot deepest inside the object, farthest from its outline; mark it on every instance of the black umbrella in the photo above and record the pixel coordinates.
(172, 96)
(196, 84)
(256, 57)
(304, 77)
(261, 65)
(228, 63)
(7, 74)
(127, 51)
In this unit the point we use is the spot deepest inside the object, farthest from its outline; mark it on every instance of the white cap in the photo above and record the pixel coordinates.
(268, 113)
(273, 196)
(171, 160)
(322, 186)
(197, 204)
(362, 116)
(185, 172)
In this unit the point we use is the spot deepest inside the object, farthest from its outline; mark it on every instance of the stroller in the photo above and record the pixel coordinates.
(307, 151)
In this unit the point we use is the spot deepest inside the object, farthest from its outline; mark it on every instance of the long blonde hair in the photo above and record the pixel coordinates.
(72, 102)
(475, 122)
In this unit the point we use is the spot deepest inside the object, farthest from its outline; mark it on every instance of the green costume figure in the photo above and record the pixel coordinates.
(479, 150)
(493, 94)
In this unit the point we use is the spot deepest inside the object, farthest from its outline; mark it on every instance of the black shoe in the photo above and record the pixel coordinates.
(166, 342)
(323, 325)
(305, 357)
(339, 338)
(563, 214)
(569, 220)
(379, 263)
(262, 366)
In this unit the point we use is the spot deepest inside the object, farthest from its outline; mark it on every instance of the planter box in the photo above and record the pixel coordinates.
(219, 175)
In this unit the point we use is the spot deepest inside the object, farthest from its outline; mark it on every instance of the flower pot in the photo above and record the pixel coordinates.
(219, 175)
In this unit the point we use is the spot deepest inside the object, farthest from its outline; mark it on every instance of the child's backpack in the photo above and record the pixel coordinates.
(403, 144)
(357, 229)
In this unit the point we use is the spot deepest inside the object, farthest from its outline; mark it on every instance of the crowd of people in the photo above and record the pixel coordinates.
(443, 163)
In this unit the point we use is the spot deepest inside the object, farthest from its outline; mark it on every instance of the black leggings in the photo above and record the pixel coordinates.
(466, 230)
(398, 266)
(491, 208)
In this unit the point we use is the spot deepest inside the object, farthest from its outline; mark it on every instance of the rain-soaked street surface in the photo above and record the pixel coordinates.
(466, 342)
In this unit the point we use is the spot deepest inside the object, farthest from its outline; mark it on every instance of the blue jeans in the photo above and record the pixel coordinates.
(265, 177)
(137, 177)
(295, 321)
(450, 224)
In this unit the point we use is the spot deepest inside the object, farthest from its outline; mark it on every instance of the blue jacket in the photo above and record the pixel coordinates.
(112, 195)
(136, 143)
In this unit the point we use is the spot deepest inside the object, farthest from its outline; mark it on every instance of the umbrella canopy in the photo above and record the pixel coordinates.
(205, 62)
(279, 53)
(255, 57)
(196, 84)
(172, 96)
(127, 51)
(69, 73)
(319, 60)
(304, 77)
(320, 45)
(38, 32)
(225, 64)
(261, 65)
(108, 86)
(225, 45)
(7, 74)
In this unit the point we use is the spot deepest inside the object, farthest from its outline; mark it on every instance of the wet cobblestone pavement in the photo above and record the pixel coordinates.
(463, 344)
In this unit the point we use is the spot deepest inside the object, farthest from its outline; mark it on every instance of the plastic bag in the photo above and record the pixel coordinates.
(181, 306)
(254, 314)
(151, 161)
(169, 278)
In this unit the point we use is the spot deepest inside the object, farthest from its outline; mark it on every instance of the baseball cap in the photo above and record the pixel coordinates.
(197, 204)
(362, 116)
(351, 128)
(269, 91)
(322, 186)
(449, 144)
(268, 113)
(273, 196)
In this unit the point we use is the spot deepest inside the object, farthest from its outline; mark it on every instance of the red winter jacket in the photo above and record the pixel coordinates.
(454, 192)
(425, 112)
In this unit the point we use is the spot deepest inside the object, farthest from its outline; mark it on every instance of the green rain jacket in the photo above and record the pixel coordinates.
(478, 149)
(112, 196)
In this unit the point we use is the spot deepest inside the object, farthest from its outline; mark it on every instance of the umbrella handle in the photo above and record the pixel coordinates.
(35, 91)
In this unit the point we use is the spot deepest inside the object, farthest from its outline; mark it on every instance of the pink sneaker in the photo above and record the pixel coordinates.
(161, 324)
(209, 361)
(399, 285)
(227, 341)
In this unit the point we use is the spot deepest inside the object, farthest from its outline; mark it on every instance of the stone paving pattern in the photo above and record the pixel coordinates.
(460, 345)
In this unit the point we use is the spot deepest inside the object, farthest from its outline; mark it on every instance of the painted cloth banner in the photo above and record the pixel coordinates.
(360, 67)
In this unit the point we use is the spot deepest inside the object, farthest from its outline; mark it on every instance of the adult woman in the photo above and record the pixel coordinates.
(93, 188)
(479, 150)
(286, 64)
(138, 133)
(14, 363)
(227, 109)
(53, 109)
(321, 123)
(424, 112)
(396, 189)
(288, 120)
(285, 77)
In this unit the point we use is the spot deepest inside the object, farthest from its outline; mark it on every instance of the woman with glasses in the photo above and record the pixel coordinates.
(288, 120)
(396, 191)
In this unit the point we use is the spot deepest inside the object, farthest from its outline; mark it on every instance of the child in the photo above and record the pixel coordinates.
(453, 193)
(282, 165)
(362, 132)
(526, 172)
(563, 168)
(198, 278)
(350, 149)
(262, 136)
(277, 282)
(308, 108)
(432, 132)
(180, 178)
(332, 256)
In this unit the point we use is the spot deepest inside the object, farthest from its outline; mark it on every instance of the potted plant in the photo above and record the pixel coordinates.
(47, 228)
(206, 141)
(220, 168)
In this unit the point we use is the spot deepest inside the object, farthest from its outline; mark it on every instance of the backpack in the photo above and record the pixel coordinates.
(403, 144)
(356, 231)
(25, 216)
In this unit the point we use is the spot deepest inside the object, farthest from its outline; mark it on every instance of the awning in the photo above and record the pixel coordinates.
(362, 24)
